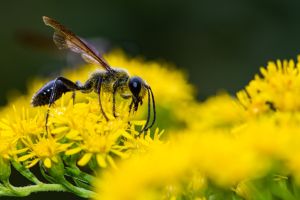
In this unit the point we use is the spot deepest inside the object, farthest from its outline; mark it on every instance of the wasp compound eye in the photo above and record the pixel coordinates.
(135, 85)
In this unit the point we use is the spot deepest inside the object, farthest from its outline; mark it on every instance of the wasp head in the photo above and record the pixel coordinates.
(138, 89)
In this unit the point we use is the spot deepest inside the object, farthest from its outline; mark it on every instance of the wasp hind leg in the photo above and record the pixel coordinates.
(56, 92)
(114, 102)
(115, 88)
(81, 87)
(99, 85)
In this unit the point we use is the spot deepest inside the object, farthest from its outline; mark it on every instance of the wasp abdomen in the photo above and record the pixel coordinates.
(42, 97)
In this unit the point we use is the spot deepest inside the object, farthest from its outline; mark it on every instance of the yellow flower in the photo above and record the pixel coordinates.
(41, 148)
(277, 88)
(22, 122)
(99, 143)
(140, 143)
(84, 125)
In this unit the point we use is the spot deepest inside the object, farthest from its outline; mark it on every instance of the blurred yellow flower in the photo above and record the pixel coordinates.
(217, 112)
(169, 163)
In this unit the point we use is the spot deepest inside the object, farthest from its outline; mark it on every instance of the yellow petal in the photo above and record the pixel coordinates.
(60, 130)
(32, 163)
(20, 150)
(25, 157)
(111, 162)
(47, 163)
(72, 134)
(101, 160)
(138, 122)
(54, 159)
(119, 153)
(85, 159)
(73, 151)
(127, 135)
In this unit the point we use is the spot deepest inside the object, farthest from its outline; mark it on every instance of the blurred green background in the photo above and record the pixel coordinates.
(220, 44)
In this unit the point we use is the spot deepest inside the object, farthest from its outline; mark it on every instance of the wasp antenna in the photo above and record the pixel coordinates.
(154, 108)
(148, 113)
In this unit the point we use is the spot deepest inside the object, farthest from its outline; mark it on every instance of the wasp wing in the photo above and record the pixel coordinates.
(65, 39)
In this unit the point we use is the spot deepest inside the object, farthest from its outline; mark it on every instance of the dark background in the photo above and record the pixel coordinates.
(220, 44)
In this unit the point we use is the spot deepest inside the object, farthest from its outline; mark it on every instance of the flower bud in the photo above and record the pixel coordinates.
(57, 169)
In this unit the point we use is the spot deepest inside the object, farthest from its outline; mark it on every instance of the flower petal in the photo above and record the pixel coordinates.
(85, 159)
(101, 160)
(73, 151)
(47, 163)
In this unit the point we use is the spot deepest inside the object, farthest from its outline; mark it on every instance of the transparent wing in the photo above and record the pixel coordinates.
(65, 39)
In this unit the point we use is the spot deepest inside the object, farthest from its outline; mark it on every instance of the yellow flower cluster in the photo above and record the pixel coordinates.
(229, 143)
(77, 134)
(80, 129)
(243, 147)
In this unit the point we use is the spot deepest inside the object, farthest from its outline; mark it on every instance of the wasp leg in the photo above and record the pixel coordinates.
(79, 85)
(73, 97)
(67, 83)
(130, 106)
(115, 87)
(99, 85)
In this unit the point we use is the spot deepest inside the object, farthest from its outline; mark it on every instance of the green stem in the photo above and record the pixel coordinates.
(76, 190)
(27, 190)
(10, 188)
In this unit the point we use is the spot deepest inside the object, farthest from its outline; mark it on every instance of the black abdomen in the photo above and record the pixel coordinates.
(42, 97)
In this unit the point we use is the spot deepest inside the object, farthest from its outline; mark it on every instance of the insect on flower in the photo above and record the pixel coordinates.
(106, 79)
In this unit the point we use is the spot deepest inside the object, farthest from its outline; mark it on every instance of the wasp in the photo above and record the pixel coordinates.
(105, 79)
